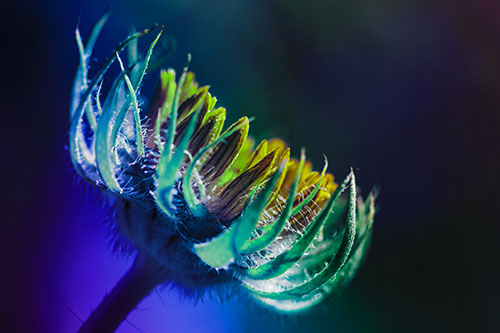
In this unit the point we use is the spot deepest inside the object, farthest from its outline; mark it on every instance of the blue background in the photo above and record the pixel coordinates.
(407, 92)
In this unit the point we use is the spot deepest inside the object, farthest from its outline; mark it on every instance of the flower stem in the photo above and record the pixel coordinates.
(144, 275)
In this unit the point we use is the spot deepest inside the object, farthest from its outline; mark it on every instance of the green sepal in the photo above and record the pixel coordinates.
(332, 268)
(85, 52)
(169, 143)
(104, 143)
(331, 288)
(137, 120)
(223, 249)
(167, 87)
(313, 192)
(133, 89)
(194, 204)
(82, 85)
(98, 99)
(95, 32)
(77, 114)
(275, 228)
(287, 259)
(168, 167)
(250, 215)
(110, 123)
(79, 151)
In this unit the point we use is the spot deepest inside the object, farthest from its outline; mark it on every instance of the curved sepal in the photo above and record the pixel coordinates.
(81, 156)
(168, 167)
(275, 228)
(331, 288)
(223, 249)
(194, 204)
(110, 122)
(287, 259)
(313, 192)
(334, 266)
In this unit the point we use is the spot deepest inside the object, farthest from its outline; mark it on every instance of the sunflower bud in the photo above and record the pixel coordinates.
(206, 203)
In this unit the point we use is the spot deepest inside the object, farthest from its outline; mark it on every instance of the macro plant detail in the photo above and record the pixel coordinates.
(202, 206)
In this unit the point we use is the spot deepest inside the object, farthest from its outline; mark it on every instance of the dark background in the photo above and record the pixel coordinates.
(407, 92)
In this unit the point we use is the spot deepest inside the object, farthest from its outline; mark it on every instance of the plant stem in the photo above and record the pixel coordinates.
(144, 275)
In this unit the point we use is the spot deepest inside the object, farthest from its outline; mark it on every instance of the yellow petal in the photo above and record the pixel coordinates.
(233, 198)
(161, 105)
(209, 131)
(239, 163)
(257, 155)
(188, 88)
(208, 107)
(192, 103)
(302, 219)
(277, 143)
(224, 154)
(290, 174)
(284, 157)
(308, 182)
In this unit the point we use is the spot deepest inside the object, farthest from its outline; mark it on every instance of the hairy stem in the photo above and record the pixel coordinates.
(144, 275)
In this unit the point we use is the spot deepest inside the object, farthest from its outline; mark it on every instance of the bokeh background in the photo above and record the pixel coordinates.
(407, 92)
